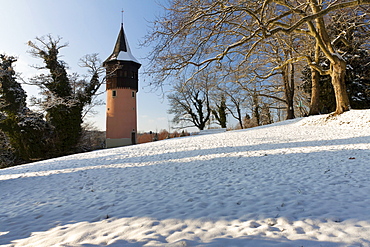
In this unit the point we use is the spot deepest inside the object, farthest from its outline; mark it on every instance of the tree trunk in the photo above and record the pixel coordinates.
(241, 123)
(315, 86)
(239, 113)
(289, 90)
(240, 118)
(256, 114)
(337, 73)
(315, 93)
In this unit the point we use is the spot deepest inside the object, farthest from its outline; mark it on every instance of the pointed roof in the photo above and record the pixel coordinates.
(122, 50)
(121, 42)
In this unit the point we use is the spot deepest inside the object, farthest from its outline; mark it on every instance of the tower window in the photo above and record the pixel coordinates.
(125, 73)
(133, 94)
(114, 93)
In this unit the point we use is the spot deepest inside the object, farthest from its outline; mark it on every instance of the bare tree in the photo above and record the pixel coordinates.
(279, 84)
(204, 33)
(89, 91)
(236, 100)
(190, 104)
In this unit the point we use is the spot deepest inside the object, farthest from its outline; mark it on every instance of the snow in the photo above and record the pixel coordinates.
(126, 56)
(211, 131)
(302, 182)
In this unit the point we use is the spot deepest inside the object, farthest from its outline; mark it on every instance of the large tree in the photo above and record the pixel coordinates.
(64, 96)
(204, 33)
(56, 130)
(352, 43)
(29, 135)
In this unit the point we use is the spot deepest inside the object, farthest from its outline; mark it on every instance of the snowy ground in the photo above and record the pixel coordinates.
(303, 182)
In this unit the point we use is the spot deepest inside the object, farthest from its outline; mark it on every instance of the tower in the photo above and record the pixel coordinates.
(122, 86)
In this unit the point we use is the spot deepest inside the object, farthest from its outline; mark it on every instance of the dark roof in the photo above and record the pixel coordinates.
(121, 42)
(121, 50)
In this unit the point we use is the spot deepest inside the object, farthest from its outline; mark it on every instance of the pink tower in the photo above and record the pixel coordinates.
(122, 86)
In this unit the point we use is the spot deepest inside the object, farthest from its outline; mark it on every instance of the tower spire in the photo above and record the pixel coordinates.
(121, 49)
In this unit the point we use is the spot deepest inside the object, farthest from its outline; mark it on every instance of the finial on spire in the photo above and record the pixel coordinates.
(122, 17)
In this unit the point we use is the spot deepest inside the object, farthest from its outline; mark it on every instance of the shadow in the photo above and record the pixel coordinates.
(118, 243)
(123, 155)
(255, 241)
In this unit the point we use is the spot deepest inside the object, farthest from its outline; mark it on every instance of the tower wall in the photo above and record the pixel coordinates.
(121, 120)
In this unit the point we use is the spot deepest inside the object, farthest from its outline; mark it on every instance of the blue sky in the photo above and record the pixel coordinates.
(89, 26)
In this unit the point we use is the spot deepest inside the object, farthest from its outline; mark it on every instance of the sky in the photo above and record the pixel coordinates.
(89, 26)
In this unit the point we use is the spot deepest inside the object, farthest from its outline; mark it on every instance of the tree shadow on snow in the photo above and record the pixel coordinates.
(254, 241)
(116, 156)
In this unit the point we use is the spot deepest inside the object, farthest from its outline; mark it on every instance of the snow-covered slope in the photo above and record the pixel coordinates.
(304, 182)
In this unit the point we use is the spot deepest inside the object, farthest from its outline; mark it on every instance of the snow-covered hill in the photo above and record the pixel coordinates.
(303, 182)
